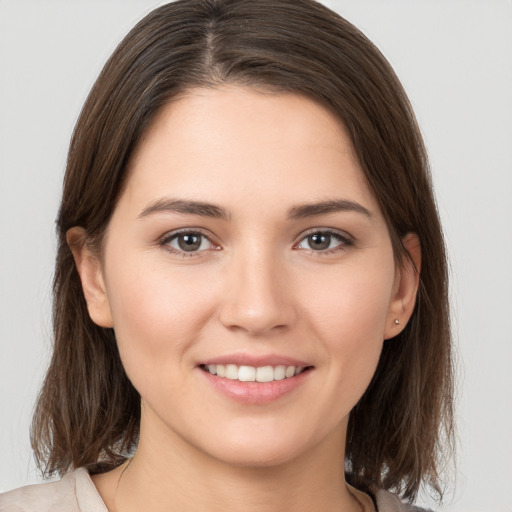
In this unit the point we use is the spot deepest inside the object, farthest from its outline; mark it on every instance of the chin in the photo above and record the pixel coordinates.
(257, 458)
(260, 448)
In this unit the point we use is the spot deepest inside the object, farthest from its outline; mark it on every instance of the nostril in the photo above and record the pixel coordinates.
(256, 322)
(255, 300)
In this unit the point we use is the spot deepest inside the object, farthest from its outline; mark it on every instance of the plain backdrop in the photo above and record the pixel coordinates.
(455, 61)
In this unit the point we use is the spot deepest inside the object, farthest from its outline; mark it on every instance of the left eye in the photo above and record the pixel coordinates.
(322, 241)
(188, 242)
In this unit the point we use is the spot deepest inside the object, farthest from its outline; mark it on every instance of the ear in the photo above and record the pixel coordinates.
(91, 276)
(405, 289)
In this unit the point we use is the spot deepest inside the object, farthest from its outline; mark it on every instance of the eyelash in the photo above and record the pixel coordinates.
(344, 240)
(168, 238)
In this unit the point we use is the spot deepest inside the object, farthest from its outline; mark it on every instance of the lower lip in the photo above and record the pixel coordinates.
(255, 393)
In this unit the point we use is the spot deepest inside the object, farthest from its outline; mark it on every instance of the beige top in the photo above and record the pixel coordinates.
(75, 492)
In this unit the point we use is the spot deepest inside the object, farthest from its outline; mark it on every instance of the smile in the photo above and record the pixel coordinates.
(253, 373)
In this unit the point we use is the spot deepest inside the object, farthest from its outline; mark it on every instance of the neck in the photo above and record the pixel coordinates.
(186, 479)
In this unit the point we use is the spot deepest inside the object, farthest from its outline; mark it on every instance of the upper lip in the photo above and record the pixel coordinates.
(256, 361)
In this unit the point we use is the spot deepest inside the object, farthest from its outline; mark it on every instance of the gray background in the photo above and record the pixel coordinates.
(455, 61)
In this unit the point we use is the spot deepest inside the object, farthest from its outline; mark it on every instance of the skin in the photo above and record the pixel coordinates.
(255, 287)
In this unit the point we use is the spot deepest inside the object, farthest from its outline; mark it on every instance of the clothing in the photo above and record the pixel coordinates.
(75, 492)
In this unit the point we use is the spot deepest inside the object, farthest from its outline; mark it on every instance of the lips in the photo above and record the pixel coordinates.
(255, 380)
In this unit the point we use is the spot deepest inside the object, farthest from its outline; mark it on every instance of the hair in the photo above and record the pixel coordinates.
(88, 411)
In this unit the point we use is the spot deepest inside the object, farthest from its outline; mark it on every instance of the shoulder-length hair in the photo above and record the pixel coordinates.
(88, 411)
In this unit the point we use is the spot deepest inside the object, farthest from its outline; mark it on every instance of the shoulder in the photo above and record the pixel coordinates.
(388, 502)
(75, 492)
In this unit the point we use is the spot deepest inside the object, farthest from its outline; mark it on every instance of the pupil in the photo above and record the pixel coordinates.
(189, 242)
(319, 241)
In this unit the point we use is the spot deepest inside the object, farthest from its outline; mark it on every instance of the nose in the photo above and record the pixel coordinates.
(258, 298)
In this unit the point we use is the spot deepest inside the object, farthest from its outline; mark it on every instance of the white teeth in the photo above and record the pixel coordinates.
(279, 372)
(247, 373)
(232, 371)
(289, 372)
(252, 374)
(265, 374)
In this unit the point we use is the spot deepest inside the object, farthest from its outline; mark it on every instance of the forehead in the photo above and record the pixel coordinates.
(233, 141)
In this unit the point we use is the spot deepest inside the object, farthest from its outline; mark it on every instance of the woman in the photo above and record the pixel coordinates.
(250, 293)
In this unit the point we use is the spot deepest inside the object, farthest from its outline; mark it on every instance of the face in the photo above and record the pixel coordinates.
(249, 277)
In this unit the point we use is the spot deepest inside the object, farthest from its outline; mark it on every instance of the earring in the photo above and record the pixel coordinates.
(397, 322)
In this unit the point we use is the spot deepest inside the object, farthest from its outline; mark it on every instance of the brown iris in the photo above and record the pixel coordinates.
(189, 242)
(319, 241)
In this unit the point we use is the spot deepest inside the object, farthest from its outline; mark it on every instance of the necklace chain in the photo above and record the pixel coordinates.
(114, 500)
(361, 505)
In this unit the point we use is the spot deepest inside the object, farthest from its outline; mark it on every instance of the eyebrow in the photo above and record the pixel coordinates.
(186, 207)
(325, 207)
(204, 209)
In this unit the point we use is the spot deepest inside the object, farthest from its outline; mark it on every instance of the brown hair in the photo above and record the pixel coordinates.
(88, 411)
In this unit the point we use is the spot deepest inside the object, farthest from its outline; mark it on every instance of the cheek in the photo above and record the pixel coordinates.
(349, 317)
(158, 315)
(353, 303)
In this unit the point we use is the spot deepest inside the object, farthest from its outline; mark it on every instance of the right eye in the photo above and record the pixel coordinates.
(187, 243)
